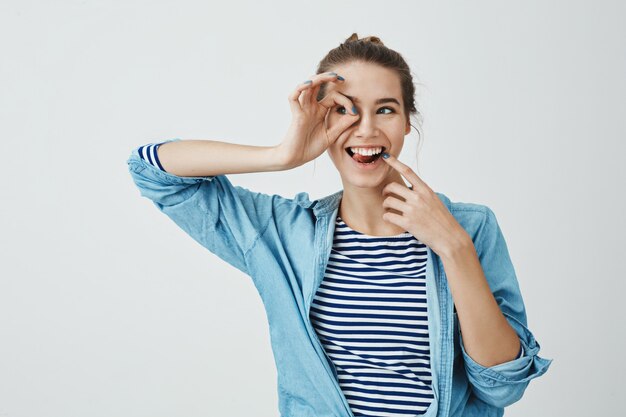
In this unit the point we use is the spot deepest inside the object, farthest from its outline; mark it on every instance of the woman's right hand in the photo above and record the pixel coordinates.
(308, 136)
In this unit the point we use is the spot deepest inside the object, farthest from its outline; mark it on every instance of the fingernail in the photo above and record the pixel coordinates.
(339, 77)
(385, 155)
(354, 110)
(307, 82)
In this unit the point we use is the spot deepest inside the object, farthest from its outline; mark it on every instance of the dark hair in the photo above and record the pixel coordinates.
(372, 50)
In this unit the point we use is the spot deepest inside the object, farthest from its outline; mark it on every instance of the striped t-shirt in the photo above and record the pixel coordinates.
(148, 153)
(371, 316)
(370, 313)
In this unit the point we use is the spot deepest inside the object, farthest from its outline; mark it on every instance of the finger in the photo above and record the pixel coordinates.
(397, 189)
(395, 204)
(338, 131)
(315, 82)
(325, 77)
(334, 98)
(406, 172)
(299, 100)
(313, 97)
(330, 103)
(343, 127)
(305, 97)
(396, 219)
(294, 97)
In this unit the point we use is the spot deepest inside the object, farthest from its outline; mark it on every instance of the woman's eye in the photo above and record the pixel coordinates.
(342, 109)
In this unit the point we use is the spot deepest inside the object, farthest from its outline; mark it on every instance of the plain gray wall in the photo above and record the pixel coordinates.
(108, 309)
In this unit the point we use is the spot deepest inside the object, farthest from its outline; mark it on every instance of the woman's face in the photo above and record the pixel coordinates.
(382, 124)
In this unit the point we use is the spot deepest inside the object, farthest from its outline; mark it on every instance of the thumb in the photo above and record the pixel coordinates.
(344, 124)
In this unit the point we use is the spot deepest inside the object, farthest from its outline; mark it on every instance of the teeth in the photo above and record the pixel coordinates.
(367, 151)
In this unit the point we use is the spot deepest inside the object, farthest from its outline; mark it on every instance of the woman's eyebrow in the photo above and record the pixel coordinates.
(379, 101)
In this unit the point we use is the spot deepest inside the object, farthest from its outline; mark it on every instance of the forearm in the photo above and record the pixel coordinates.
(488, 338)
(198, 158)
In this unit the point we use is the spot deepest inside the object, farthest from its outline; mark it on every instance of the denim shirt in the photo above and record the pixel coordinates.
(284, 244)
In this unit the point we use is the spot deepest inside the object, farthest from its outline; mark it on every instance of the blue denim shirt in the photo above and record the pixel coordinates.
(283, 244)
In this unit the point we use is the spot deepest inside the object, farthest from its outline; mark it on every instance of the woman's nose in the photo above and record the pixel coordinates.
(366, 126)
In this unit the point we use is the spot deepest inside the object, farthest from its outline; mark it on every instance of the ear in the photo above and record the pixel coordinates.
(408, 128)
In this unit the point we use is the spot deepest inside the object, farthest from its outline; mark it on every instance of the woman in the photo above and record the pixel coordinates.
(382, 298)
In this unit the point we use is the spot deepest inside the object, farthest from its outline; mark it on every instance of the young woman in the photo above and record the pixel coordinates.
(382, 299)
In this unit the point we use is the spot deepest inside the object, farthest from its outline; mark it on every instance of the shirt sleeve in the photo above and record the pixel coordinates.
(224, 218)
(503, 384)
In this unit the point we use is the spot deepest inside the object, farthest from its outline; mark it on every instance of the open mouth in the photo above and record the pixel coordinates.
(365, 159)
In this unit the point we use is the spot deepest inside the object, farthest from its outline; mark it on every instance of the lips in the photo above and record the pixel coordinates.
(360, 163)
(365, 147)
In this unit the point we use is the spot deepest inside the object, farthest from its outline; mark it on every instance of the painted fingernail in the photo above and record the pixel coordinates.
(354, 110)
(385, 155)
(339, 77)
(307, 82)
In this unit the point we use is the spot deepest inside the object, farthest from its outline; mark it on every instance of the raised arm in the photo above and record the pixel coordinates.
(187, 179)
(204, 158)
(222, 217)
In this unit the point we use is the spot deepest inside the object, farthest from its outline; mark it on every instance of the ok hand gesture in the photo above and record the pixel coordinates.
(308, 136)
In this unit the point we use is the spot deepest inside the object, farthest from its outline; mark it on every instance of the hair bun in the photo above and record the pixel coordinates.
(372, 39)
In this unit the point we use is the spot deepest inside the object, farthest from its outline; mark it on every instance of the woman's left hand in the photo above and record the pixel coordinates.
(422, 213)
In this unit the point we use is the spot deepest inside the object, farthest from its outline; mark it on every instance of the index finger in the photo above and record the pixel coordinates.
(404, 170)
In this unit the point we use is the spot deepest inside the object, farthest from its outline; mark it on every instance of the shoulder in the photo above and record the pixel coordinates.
(466, 210)
(477, 219)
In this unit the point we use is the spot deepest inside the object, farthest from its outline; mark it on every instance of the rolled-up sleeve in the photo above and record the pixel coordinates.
(222, 217)
(503, 384)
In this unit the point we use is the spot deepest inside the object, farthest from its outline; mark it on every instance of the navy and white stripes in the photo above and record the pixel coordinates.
(149, 154)
(371, 316)
(370, 313)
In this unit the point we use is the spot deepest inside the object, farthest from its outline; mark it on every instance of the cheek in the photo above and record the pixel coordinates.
(397, 132)
(336, 153)
(333, 152)
(397, 127)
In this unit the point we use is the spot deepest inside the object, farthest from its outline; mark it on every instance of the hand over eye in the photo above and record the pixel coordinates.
(308, 135)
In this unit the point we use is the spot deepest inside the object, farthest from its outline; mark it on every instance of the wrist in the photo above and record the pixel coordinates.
(284, 158)
(460, 245)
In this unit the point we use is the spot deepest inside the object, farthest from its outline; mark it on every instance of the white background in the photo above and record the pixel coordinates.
(108, 309)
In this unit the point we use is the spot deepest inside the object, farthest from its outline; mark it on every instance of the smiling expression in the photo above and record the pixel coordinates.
(383, 123)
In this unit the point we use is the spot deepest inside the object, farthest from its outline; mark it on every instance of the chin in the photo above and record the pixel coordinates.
(364, 180)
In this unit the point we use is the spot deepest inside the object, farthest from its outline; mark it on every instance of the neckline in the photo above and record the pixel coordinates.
(344, 224)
